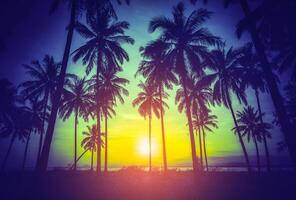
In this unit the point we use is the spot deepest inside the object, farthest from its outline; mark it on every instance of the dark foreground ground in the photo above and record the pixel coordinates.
(137, 185)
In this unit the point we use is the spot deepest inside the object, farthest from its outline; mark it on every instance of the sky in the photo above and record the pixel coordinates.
(31, 33)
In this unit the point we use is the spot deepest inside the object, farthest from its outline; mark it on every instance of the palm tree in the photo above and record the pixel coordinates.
(103, 47)
(199, 94)
(158, 72)
(253, 76)
(112, 89)
(77, 99)
(148, 102)
(18, 128)
(227, 81)
(251, 126)
(36, 118)
(89, 142)
(205, 121)
(251, 19)
(187, 41)
(45, 75)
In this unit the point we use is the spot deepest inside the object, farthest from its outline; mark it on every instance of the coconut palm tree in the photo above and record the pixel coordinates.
(252, 17)
(187, 41)
(103, 47)
(148, 102)
(156, 69)
(205, 122)
(35, 112)
(199, 94)
(77, 99)
(253, 76)
(250, 125)
(89, 142)
(226, 81)
(19, 128)
(45, 75)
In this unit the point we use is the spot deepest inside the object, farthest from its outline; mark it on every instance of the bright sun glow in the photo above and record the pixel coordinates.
(143, 147)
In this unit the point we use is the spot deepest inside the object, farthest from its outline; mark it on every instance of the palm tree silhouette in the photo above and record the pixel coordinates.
(186, 40)
(251, 126)
(103, 47)
(77, 99)
(43, 85)
(199, 94)
(226, 77)
(251, 17)
(205, 121)
(19, 128)
(89, 142)
(148, 102)
(253, 76)
(158, 72)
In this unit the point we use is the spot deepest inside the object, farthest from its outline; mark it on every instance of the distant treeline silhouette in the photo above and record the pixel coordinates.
(185, 55)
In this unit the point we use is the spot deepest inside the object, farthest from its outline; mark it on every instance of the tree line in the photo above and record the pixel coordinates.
(186, 55)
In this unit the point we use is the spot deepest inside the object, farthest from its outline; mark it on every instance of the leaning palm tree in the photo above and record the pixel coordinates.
(226, 76)
(251, 126)
(148, 102)
(205, 122)
(89, 142)
(77, 99)
(45, 76)
(187, 41)
(253, 76)
(156, 70)
(103, 47)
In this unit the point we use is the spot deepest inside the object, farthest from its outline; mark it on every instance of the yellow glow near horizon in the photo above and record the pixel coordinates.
(143, 147)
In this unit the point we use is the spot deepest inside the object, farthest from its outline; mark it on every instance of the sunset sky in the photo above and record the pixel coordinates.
(35, 34)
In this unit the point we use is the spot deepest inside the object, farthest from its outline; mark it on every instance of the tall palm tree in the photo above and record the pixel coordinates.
(187, 41)
(253, 76)
(77, 99)
(206, 122)
(90, 141)
(36, 118)
(226, 77)
(112, 89)
(103, 47)
(148, 102)
(251, 126)
(19, 128)
(45, 75)
(199, 94)
(251, 17)
(156, 69)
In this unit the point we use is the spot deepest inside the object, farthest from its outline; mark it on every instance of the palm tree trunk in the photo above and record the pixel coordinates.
(106, 144)
(257, 155)
(43, 126)
(286, 126)
(76, 161)
(150, 163)
(42, 164)
(239, 135)
(200, 149)
(8, 152)
(92, 161)
(165, 167)
(75, 139)
(205, 149)
(26, 152)
(98, 113)
(191, 133)
(264, 136)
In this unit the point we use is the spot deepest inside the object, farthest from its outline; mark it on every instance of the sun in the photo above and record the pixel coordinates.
(143, 146)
